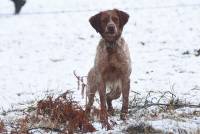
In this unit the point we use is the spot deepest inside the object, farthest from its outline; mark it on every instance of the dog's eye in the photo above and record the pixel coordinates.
(104, 20)
(115, 19)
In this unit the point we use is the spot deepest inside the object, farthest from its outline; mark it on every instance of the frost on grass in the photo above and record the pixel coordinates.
(163, 112)
(157, 112)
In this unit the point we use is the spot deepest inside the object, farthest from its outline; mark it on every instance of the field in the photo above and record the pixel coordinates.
(42, 47)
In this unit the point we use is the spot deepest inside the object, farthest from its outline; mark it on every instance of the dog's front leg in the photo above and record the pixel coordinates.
(103, 111)
(125, 97)
(102, 95)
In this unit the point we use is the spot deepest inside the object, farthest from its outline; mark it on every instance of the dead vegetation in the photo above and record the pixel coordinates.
(63, 115)
(166, 101)
(63, 111)
(196, 52)
(2, 127)
(142, 129)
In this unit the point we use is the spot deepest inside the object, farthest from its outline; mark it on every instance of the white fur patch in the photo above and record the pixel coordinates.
(113, 85)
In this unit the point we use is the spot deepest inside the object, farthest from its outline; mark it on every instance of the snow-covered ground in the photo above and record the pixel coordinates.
(40, 48)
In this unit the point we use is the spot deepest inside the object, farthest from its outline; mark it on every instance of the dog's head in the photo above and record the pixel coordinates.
(109, 23)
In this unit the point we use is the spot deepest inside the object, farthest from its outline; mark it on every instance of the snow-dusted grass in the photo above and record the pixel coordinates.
(40, 48)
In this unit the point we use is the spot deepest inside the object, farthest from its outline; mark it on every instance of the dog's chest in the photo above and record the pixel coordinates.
(114, 64)
(114, 60)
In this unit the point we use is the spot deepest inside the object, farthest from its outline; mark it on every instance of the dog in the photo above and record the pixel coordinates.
(18, 5)
(112, 64)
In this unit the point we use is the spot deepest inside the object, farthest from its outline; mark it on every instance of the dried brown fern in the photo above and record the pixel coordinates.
(63, 111)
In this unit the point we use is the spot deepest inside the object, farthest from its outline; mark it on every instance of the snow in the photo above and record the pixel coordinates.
(40, 48)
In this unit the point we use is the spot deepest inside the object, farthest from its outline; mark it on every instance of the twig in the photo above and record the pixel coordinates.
(80, 81)
(167, 105)
(146, 98)
(163, 95)
(172, 101)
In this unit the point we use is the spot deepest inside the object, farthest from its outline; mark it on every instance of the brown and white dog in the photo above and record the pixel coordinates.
(112, 65)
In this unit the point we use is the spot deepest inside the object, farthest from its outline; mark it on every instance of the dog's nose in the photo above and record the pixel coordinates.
(111, 29)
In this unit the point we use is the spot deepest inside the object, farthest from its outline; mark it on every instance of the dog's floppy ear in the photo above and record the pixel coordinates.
(123, 17)
(95, 21)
